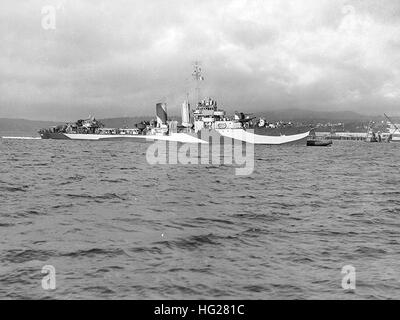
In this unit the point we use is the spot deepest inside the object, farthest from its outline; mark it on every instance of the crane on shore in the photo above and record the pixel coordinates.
(392, 123)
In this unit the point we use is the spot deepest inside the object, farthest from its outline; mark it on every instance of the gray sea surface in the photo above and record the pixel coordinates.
(115, 227)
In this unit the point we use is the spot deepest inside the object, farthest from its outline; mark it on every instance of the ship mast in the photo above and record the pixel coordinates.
(197, 75)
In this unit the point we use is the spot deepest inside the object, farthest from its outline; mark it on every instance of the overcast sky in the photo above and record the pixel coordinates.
(119, 58)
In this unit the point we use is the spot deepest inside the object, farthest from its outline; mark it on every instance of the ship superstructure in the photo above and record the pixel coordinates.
(208, 116)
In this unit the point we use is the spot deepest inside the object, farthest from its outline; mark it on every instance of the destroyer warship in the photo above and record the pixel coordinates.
(206, 117)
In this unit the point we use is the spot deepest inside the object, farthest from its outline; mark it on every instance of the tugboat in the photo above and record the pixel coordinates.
(314, 141)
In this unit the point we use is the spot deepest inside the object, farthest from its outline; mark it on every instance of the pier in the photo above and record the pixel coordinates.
(360, 136)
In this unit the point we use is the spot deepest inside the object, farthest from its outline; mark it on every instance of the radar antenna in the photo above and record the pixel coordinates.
(198, 77)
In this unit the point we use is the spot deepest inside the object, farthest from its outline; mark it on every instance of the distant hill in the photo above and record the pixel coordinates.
(10, 127)
(30, 127)
(23, 127)
(123, 122)
(313, 116)
(272, 116)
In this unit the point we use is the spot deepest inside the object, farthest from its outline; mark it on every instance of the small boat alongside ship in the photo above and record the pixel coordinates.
(314, 141)
(319, 143)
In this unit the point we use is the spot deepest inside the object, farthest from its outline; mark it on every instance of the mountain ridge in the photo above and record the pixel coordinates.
(10, 125)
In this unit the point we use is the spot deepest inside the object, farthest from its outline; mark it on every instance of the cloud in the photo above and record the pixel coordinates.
(112, 58)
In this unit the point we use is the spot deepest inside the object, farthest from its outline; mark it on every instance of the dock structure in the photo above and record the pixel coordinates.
(360, 136)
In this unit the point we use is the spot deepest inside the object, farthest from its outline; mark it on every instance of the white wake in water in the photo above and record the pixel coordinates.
(22, 138)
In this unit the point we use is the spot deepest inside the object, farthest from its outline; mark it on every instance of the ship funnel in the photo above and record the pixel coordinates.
(161, 111)
(186, 114)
